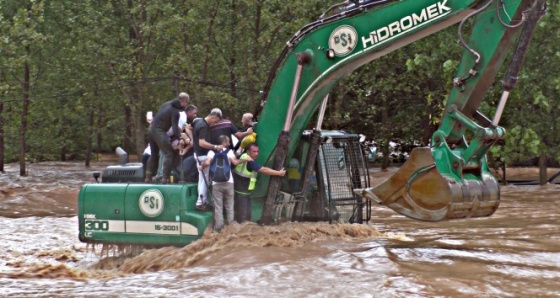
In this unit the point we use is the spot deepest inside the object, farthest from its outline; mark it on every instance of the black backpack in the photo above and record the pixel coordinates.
(220, 167)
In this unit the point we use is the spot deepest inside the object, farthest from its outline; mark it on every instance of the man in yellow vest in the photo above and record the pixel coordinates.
(245, 178)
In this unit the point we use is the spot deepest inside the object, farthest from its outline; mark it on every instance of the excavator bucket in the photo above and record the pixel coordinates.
(418, 190)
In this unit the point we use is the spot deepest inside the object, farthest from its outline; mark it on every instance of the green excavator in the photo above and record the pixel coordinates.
(448, 180)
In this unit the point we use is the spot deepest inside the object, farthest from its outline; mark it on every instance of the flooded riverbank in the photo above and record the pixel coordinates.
(513, 253)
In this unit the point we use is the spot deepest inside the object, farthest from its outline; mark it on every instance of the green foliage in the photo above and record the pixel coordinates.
(118, 59)
(520, 144)
(535, 103)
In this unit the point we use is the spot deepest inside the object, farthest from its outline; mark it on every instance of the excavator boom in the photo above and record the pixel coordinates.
(448, 180)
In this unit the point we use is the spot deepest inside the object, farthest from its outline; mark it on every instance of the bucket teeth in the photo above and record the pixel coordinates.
(418, 190)
(368, 194)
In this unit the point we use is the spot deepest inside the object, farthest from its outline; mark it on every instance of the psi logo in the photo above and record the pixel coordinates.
(151, 202)
(343, 40)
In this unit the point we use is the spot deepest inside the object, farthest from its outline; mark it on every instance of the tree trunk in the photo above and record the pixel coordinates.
(209, 33)
(386, 130)
(134, 142)
(135, 109)
(255, 50)
(138, 121)
(176, 89)
(63, 151)
(90, 134)
(542, 169)
(99, 134)
(1, 138)
(385, 152)
(24, 112)
(232, 52)
(127, 144)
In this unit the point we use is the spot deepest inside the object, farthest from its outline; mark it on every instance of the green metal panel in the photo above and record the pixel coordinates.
(174, 201)
(104, 200)
(148, 214)
(256, 209)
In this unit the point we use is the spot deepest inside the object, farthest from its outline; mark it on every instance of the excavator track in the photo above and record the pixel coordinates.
(419, 191)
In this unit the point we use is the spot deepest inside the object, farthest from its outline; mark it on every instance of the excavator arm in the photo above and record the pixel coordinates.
(450, 179)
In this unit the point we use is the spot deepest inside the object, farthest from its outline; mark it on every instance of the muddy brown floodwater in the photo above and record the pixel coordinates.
(513, 253)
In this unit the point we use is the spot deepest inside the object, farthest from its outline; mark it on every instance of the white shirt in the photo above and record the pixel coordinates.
(182, 122)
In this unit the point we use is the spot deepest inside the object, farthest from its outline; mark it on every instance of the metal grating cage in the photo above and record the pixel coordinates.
(342, 166)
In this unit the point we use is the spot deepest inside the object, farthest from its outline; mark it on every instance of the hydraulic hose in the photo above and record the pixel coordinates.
(500, 15)
(472, 72)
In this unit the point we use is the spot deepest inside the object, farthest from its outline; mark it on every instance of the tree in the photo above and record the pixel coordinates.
(95, 68)
(533, 112)
(22, 23)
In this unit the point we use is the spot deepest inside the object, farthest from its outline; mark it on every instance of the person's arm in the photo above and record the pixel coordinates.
(175, 123)
(235, 161)
(271, 172)
(202, 142)
(206, 163)
(240, 134)
(185, 143)
(188, 131)
(207, 145)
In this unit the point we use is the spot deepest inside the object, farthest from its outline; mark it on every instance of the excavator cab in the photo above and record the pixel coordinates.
(321, 177)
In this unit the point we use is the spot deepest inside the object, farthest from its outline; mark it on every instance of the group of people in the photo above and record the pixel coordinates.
(176, 133)
(170, 136)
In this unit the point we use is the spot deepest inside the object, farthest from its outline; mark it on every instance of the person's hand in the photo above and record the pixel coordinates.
(282, 172)
(186, 140)
(249, 130)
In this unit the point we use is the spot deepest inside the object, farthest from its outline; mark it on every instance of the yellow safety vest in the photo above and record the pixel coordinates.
(241, 170)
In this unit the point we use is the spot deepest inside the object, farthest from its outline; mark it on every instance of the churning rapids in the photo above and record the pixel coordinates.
(514, 253)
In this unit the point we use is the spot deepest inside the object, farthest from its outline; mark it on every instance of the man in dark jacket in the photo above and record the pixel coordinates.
(167, 116)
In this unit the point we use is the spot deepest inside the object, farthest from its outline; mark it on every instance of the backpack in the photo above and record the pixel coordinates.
(220, 167)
